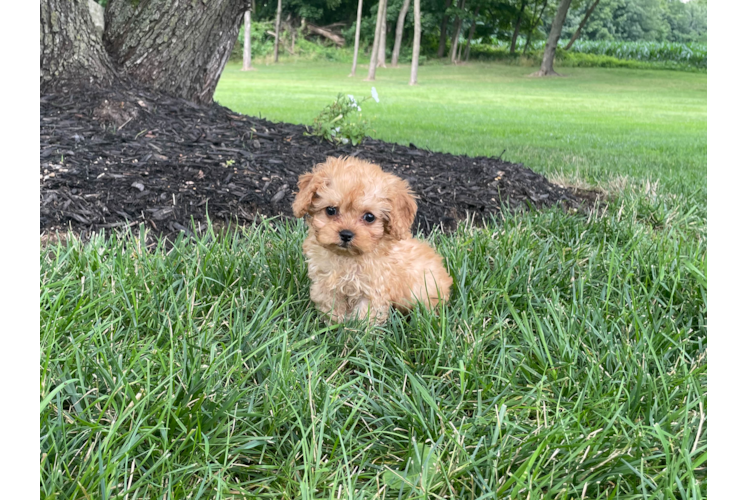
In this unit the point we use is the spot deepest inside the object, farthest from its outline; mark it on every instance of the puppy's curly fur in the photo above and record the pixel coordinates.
(361, 255)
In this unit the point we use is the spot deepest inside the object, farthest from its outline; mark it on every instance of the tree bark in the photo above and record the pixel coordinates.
(581, 25)
(399, 32)
(416, 42)
(375, 46)
(528, 39)
(247, 62)
(470, 34)
(180, 49)
(443, 33)
(70, 50)
(516, 27)
(277, 32)
(457, 28)
(358, 34)
(382, 53)
(546, 67)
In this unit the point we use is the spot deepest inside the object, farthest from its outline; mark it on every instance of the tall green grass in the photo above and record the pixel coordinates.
(686, 53)
(640, 54)
(570, 362)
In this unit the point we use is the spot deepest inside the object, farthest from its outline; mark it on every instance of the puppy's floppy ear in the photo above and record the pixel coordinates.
(309, 184)
(403, 211)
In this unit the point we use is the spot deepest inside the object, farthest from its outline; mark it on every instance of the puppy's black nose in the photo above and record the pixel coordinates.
(346, 235)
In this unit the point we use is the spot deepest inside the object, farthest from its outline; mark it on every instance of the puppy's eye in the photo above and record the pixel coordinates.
(331, 211)
(369, 217)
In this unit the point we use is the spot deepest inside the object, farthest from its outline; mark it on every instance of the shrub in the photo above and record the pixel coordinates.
(342, 121)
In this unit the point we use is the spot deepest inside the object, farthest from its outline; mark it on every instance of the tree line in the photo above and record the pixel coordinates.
(443, 21)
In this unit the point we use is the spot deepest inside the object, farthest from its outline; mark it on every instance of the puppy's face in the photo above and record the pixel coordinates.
(353, 206)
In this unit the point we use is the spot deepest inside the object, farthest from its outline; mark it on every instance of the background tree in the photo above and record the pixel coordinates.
(416, 42)
(546, 67)
(473, 22)
(632, 20)
(358, 34)
(443, 32)
(382, 46)
(517, 23)
(247, 59)
(456, 29)
(399, 32)
(277, 32)
(533, 26)
(375, 45)
(581, 24)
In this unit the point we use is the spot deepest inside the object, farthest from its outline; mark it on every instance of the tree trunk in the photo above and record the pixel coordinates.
(416, 42)
(528, 40)
(581, 25)
(382, 54)
(70, 50)
(180, 49)
(375, 46)
(247, 63)
(277, 32)
(443, 33)
(358, 34)
(470, 34)
(516, 27)
(333, 37)
(399, 32)
(546, 67)
(457, 28)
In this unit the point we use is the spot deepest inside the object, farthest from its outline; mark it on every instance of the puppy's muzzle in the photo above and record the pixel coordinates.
(345, 237)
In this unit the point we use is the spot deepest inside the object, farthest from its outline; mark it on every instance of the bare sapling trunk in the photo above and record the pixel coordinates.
(456, 35)
(70, 50)
(581, 25)
(536, 21)
(375, 45)
(546, 67)
(416, 42)
(173, 47)
(382, 53)
(277, 32)
(399, 32)
(471, 33)
(358, 34)
(443, 30)
(247, 62)
(288, 27)
(517, 23)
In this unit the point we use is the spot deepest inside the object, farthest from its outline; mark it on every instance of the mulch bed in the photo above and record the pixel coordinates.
(116, 158)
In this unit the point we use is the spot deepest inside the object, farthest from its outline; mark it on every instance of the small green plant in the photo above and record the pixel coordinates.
(342, 121)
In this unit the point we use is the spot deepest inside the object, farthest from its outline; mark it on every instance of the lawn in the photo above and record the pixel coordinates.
(571, 361)
(595, 124)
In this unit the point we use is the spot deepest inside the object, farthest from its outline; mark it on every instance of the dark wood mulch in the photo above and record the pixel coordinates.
(120, 157)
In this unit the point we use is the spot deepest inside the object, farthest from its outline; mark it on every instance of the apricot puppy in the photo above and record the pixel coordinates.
(361, 255)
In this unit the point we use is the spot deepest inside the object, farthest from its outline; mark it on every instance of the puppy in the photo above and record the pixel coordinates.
(361, 255)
